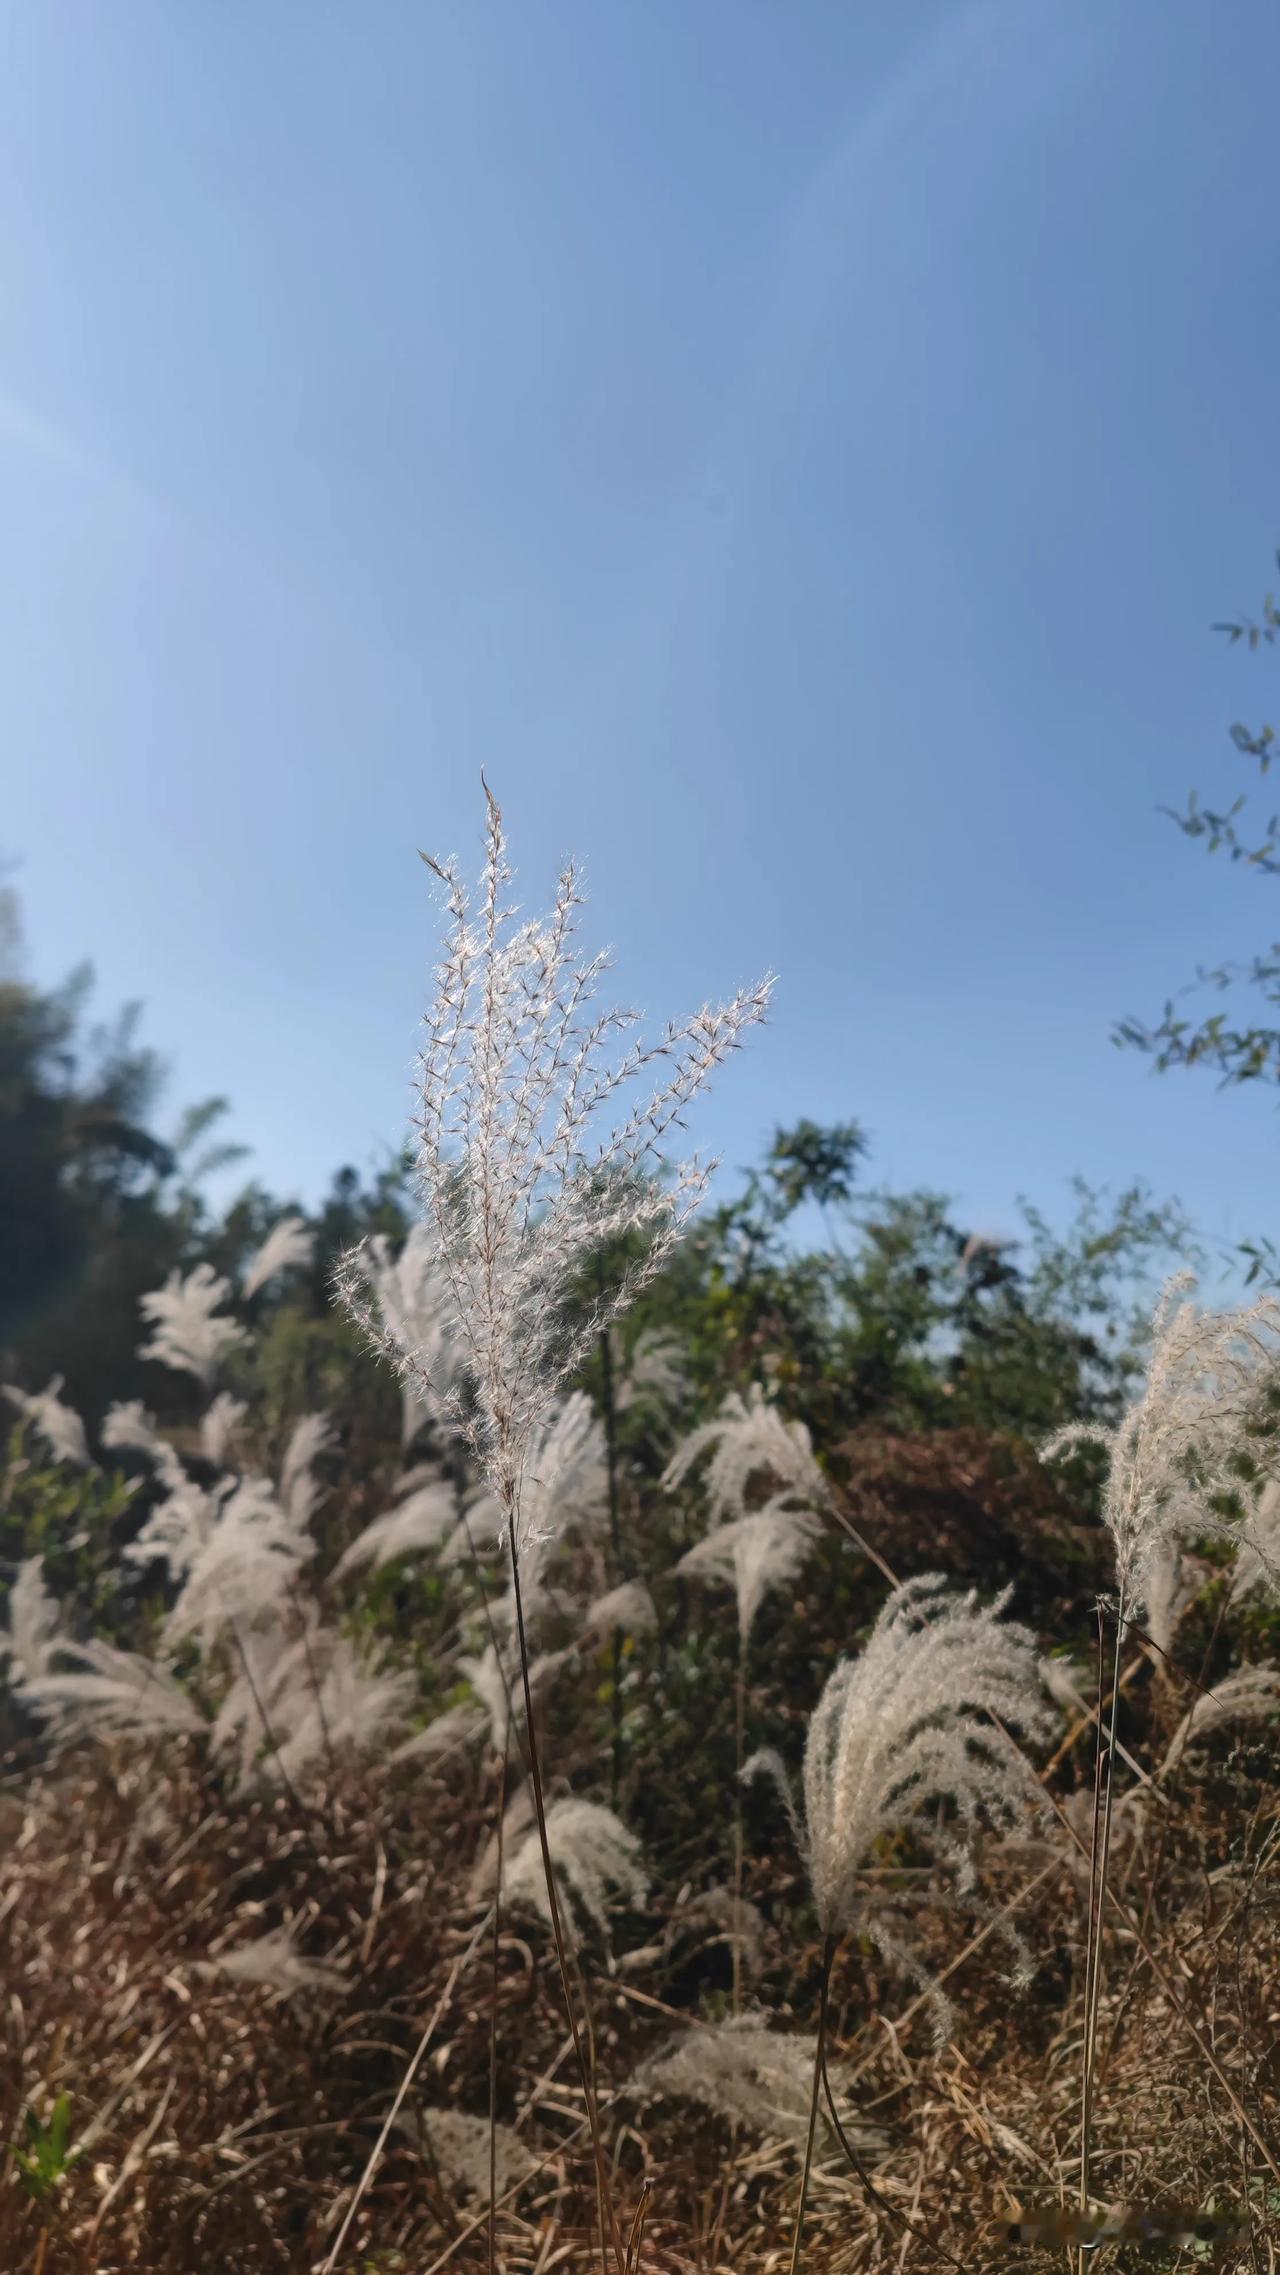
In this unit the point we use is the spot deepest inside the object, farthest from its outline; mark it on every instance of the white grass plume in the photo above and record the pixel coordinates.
(127, 1424)
(189, 1337)
(753, 1554)
(656, 1373)
(592, 1853)
(357, 1705)
(1179, 1444)
(1066, 1686)
(906, 1724)
(312, 1435)
(303, 1693)
(747, 1440)
(1257, 1567)
(276, 1670)
(274, 1961)
(628, 1608)
(117, 1694)
(523, 1180)
(450, 1733)
(422, 1521)
(1247, 1694)
(1171, 1586)
(179, 1528)
(221, 1419)
(245, 1568)
(407, 1305)
(500, 1691)
(753, 2076)
(35, 1632)
(459, 2148)
(60, 1426)
(716, 1915)
(289, 1242)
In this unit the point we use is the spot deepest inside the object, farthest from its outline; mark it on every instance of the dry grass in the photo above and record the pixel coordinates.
(226, 2127)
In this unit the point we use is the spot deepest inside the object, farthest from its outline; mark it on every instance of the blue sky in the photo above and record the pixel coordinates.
(798, 451)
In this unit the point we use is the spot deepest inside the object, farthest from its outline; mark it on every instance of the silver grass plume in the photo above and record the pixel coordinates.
(716, 1915)
(326, 1702)
(450, 1733)
(522, 1179)
(179, 1528)
(60, 1426)
(753, 2076)
(753, 1554)
(117, 1694)
(656, 1372)
(277, 1666)
(594, 1854)
(221, 1419)
(459, 2147)
(501, 1693)
(35, 1632)
(422, 1520)
(300, 1490)
(909, 1723)
(627, 1609)
(1179, 1444)
(127, 1423)
(245, 1568)
(406, 1304)
(274, 1962)
(749, 1439)
(289, 1242)
(1066, 1686)
(1169, 1590)
(189, 1337)
(1257, 1567)
(1248, 1694)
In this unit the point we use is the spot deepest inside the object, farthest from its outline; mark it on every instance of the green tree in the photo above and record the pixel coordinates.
(95, 1207)
(905, 1316)
(1239, 1050)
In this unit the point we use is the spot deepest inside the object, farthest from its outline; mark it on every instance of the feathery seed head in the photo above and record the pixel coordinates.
(754, 1554)
(592, 1853)
(909, 1722)
(60, 1426)
(289, 1242)
(524, 1172)
(752, 2076)
(749, 1439)
(188, 1336)
(1179, 1444)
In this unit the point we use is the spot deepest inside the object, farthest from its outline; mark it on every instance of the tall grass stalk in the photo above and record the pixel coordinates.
(739, 1744)
(609, 2232)
(375, 2156)
(828, 1954)
(1099, 1859)
(493, 2002)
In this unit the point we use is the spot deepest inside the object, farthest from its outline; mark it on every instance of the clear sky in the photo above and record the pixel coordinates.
(797, 449)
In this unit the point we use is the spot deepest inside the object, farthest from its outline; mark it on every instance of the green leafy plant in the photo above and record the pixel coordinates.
(44, 2165)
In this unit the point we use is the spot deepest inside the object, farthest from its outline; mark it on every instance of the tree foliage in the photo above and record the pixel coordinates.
(1240, 1050)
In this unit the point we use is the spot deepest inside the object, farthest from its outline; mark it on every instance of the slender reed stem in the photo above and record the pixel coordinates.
(1151, 1876)
(739, 1739)
(493, 2002)
(1092, 1929)
(1203, 2045)
(828, 1954)
(609, 1403)
(464, 1956)
(868, 2183)
(608, 2220)
(1093, 1991)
